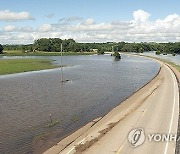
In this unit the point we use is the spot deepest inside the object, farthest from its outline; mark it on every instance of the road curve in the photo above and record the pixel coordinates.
(154, 109)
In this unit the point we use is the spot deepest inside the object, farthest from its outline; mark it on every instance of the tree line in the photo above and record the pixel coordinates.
(70, 45)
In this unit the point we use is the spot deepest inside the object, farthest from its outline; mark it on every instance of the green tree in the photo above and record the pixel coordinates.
(141, 50)
(100, 52)
(117, 55)
(127, 48)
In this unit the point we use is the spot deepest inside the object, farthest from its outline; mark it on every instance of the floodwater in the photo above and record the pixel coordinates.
(169, 57)
(98, 84)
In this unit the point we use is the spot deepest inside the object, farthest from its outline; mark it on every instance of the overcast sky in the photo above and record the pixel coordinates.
(23, 21)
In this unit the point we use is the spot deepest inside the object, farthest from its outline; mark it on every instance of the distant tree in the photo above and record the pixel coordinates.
(1, 49)
(31, 49)
(100, 52)
(175, 48)
(127, 48)
(141, 50)
(69, 45)
(120, 45)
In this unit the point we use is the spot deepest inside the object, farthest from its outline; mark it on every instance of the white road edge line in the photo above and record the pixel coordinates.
(172, 115)
(70, 150)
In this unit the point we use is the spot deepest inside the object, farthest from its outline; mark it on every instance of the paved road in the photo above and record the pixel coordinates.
(157, 112)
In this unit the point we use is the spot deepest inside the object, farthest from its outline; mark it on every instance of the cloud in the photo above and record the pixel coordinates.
(6, 15)
(26, 29)
(139, 29)
(9, 28)
(70, 20)
(45, 28)
(91, 27)
(74, 18)
(141, 16)
(88, 21)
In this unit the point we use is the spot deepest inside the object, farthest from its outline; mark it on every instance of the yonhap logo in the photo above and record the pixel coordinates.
(136, 137)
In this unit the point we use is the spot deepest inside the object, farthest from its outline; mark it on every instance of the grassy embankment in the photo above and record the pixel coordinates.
(172, 64)
(42, 53)
(168, 62)
(11, 66)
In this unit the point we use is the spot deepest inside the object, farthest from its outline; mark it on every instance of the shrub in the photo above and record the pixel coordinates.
(158, 52)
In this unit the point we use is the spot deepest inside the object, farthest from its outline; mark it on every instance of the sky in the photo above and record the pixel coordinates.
(23, 21)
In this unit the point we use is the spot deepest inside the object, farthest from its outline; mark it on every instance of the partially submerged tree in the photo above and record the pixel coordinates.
(158, 52)
(116, 55)
(1, 49)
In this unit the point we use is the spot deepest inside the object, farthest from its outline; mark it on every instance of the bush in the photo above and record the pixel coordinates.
(158, 52)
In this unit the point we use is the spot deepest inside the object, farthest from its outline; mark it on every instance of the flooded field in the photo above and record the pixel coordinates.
(98, 84)
(169, 57)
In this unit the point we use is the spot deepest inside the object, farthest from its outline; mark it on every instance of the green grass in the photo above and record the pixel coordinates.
(171, 63)
(42, 53)
(11, 66)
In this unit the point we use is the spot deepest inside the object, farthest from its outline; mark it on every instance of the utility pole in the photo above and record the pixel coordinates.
(61, 65)
(112, 48)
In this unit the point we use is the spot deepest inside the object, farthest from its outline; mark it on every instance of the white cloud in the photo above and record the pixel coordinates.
(139, 29)
(91, 27)
(45, 28)
(6, 15)
(88, 21)
(9, 28)
(141, 16)
(171, 18)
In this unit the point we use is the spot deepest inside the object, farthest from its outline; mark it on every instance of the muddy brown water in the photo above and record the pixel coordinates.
(98, 84)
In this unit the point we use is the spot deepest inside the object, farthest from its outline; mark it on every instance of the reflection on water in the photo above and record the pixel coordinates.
(98, 85)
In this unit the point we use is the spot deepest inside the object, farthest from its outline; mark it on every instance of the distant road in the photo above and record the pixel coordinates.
(154, 108)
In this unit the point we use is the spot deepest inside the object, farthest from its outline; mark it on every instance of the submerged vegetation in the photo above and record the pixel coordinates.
(11, 66)
(53, 123)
